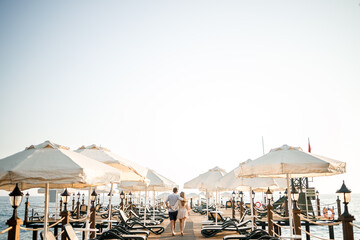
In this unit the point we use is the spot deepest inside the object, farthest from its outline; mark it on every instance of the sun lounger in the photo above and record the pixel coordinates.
(135, 225)
(49, 235)
(158, 218)
(126, 231)
(70, 232)
(212, 230)
(114, 234)
(256, 234)
(138, 219)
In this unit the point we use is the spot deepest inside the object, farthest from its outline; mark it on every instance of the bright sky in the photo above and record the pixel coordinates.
(183, 86)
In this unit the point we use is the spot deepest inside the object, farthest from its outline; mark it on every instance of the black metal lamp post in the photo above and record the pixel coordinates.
(78, 206)
(286, 204)
(15, 222)
(130, 199)
(338, 204)
(83, 199)
(93, 213)
(15, 200)
(233, 204)
(73, 202)
(318, 202)
(93, 198)
(65, 197)
(122, 197)
(345, 196)
(296, 211)
(294, 196)
(241, 196)
(253, 206)
(268, 195)
(26, 207)
(269, 212)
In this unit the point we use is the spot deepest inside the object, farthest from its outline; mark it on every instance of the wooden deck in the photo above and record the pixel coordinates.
(192, 228)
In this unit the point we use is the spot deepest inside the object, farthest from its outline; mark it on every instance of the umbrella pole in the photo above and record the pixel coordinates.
(56, 203)
(46, 209)
(88, 215)
(216, 208)
(207, 204)
(252, 210)
(110, 208)
(289, 205)
(306, 202)
(154, 207)
(145, 206)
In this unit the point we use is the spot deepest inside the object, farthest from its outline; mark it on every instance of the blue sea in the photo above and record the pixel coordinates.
(322, 231)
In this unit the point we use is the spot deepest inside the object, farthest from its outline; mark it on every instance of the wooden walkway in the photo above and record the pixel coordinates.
(192, 229)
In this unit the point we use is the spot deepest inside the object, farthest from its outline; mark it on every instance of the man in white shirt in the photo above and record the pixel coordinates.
(170, 204)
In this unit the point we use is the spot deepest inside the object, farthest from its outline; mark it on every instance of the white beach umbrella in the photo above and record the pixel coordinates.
(156, 182)
(207, 182)
(192, 195)
(226, 194)
(53, 166)
(290, 162)
(105, 189)
(232, 181)
(131, 170)
(163, 195)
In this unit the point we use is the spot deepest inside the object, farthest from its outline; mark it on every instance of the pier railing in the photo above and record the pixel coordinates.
(6, 230)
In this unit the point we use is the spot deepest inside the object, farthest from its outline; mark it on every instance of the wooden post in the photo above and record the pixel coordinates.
(338, 207)
(191, 203)
(233, 208)
(307, 228)
(254, 217)
(14, 233)
(130, 208)
(26, 211)
(347, 219)
(297, 222)
(92, 221)
(286, 207)
(60, 207)
(34, 235)
(331, 232)
(78, 209)
(73, 203)
(56, 230)
(65, 221)
(270, 219)
(318, 206)
(241, 209)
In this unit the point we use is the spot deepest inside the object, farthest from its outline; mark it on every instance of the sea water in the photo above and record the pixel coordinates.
(37, 202)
